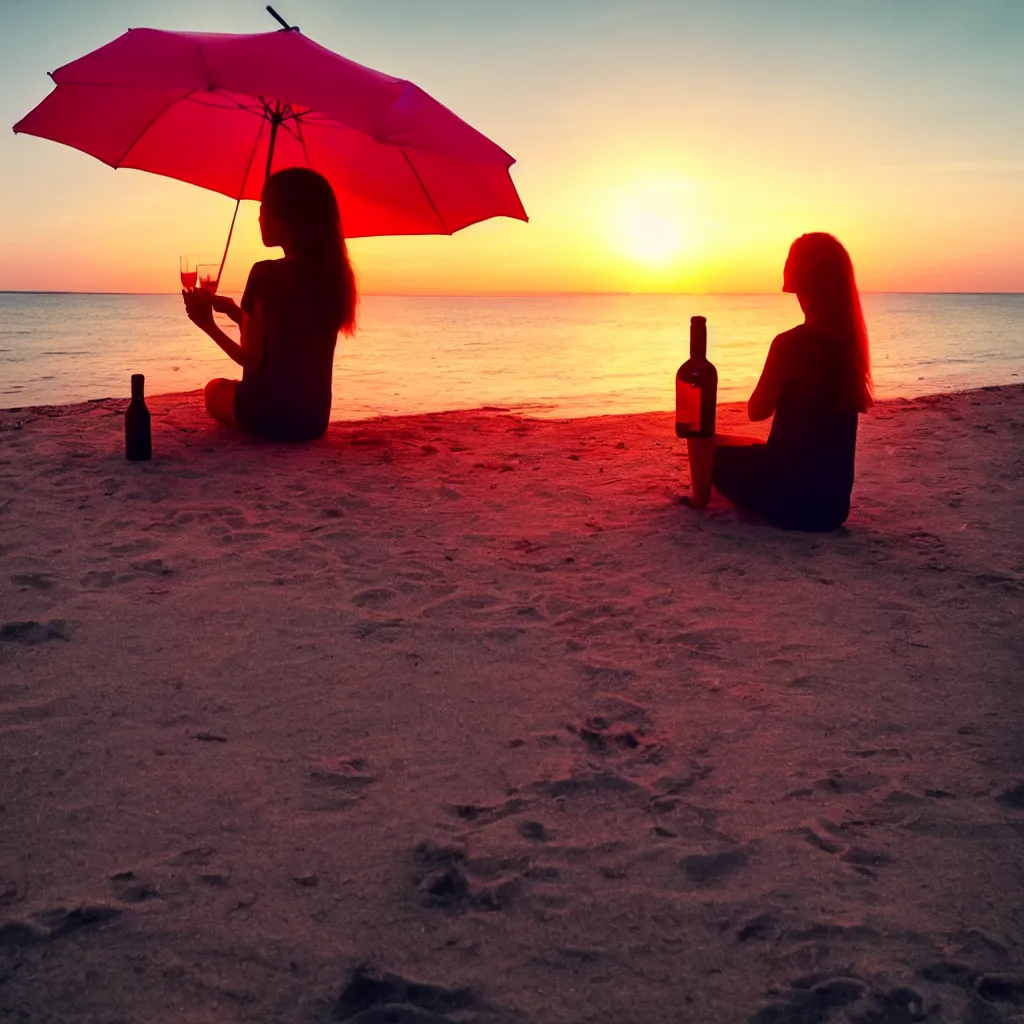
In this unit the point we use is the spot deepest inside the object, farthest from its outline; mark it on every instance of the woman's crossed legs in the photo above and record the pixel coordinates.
(701, 451)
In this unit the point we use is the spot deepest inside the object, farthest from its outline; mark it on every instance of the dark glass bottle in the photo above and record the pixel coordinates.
(138, 444)
(696, 386)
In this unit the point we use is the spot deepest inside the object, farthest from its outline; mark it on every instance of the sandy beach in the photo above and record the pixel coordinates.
(464, 717)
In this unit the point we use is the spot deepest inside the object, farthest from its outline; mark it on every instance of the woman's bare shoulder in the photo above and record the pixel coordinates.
(794, 336)
(788, 345)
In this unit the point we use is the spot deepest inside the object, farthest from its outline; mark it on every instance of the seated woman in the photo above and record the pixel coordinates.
(291, 313)
(816, 380)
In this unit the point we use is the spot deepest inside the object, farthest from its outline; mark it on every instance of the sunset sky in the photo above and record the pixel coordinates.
(661, 145)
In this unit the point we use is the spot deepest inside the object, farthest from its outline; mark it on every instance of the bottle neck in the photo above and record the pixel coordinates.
(138, 386)
(698, 340)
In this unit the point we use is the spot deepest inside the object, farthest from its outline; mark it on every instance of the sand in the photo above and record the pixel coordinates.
(464, 717)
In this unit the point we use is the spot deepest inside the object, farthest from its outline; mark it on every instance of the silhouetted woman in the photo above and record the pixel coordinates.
(291, 313)
(816, 380)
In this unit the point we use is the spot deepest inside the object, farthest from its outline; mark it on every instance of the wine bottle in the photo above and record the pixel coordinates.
(138, 444)
(696, 386)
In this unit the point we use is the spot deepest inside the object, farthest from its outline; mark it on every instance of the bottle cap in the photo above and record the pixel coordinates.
(138, 379)
(698, 319)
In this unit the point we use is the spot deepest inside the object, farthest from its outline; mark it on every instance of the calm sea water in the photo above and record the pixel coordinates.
(551, 355)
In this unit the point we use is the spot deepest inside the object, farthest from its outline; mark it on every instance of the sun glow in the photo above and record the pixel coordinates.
(650, 238)
(653, 223)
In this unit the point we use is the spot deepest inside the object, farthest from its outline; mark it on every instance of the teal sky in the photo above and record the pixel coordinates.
(897, 123)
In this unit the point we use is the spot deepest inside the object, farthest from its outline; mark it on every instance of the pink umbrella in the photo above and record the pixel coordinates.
(221, 111)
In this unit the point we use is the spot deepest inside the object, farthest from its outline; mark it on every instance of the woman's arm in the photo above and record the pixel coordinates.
(248, 354)
(252, 336)
(766, 395)
(230, 308)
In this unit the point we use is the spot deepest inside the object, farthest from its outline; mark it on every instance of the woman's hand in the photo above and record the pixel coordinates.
(200, 304)
(222, 304)
(199, 307)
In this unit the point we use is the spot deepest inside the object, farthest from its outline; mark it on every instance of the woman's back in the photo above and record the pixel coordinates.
(813, 439)
(289, 396)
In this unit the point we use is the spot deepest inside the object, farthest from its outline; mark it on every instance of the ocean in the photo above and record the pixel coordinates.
(563, 356)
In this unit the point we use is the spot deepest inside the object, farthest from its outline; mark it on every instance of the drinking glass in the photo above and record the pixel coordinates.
(187, 267)
(208, 275)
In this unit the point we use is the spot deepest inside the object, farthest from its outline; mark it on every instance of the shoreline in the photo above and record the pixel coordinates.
(522, 411)
(463, 716)
(516, 295)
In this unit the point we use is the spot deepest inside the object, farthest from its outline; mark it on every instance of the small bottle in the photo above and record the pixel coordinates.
(138, 444)
(696, 386)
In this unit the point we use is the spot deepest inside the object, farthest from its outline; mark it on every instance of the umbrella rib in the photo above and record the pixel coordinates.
(248, 167)
(290, 130)
(426, 194)
(149, 124)
(302, 139)
(238, 203)
(160, 113)
(245, 108)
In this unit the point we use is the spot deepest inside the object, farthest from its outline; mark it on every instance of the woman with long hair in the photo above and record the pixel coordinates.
(290, 315)
(816, 380)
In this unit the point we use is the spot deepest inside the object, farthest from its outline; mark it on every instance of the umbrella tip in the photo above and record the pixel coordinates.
(284, 24)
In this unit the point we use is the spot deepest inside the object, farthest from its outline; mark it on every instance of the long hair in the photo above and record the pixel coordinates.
(304, 202)
(820, 271)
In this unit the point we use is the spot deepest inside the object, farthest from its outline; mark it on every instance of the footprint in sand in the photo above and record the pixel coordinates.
(487, 814)
(812, 1000)
(55, 922)
(760, 928)
(129, 888)
(373, 997)
(588, 782)
(533, 830)
(860, 857)
(35, 580)
(439, 875)
(31, 632)
(153, 567)
(340, 782)
(1005, 989)
(194, 856)
(849, 781)
(384, 630)
(441, 878)
(98, 579)
(135, 547)
(711, 868)
(815, 838)
(1012, 796)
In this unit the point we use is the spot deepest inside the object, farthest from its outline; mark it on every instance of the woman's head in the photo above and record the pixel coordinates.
(299, 212)
(820, 272)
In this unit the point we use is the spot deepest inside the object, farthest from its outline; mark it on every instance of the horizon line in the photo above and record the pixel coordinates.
(515, 295)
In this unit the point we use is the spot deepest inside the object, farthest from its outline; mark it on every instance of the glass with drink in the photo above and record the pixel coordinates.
(208, 276)
(187, 267)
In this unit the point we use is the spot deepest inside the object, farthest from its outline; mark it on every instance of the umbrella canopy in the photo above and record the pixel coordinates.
(221, 111)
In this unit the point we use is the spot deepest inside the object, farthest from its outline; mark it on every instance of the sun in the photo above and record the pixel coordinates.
(650, 222)
(650, 238)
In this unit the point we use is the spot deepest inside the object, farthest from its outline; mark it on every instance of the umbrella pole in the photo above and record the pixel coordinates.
(275, 120)
(231, 229)
(234, 216)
